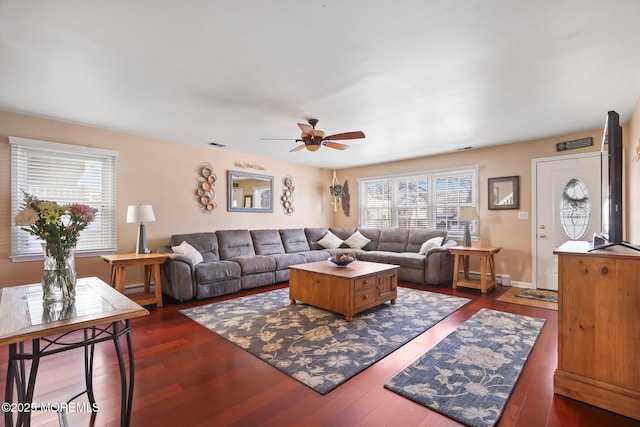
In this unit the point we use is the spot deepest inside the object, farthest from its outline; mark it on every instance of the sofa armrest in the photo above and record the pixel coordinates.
(439, 264)
(177, 275)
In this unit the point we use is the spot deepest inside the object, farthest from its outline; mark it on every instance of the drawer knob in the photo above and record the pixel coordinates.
(365, 297)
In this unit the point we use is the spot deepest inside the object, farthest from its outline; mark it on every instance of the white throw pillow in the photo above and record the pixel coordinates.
(356, 240)
(189, 251)
(430, 244)
(330, 241)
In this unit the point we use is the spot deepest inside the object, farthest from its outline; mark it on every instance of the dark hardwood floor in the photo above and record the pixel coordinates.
(189, 376)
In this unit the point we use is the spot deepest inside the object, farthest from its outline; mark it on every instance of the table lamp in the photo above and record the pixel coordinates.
(141, 214)
(467, 213)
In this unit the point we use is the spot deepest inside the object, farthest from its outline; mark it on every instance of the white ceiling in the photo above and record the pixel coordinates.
(419, 77)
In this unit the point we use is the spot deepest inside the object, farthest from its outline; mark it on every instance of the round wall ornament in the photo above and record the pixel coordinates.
(287, 194)
(204, 192)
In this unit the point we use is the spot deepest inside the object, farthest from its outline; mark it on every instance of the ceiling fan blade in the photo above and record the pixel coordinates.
(335, 145)
(346, 135)
(299, 147)
(307, 129)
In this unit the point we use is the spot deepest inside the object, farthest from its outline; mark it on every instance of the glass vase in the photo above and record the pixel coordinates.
(59, 274)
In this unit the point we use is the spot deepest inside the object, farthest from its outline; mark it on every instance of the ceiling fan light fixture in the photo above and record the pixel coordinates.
(313, 147)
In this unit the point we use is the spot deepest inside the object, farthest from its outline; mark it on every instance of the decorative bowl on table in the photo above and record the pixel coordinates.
(342, 260)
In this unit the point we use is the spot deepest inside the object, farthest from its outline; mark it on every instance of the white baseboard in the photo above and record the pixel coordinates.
(503, 280)
(524, 285)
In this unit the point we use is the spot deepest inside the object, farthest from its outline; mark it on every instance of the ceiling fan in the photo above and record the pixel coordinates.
(313, 138)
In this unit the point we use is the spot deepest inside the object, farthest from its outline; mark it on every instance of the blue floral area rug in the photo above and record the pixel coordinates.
(469, 375)
(317, 347)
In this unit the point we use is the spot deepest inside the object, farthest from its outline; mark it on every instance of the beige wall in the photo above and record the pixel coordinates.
(497, 227)
(632, 208)
(165, 175)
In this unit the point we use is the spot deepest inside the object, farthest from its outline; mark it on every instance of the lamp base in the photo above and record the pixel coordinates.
(466, 240)
(141, 244)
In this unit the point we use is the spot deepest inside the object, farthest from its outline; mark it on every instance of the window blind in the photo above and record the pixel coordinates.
(65, 174)
(376, 203)
(430, 199)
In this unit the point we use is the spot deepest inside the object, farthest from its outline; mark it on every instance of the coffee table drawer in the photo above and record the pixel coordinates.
(365, 282)
(366, 297)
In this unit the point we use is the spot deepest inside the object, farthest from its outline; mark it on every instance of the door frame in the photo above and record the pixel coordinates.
(534, 205)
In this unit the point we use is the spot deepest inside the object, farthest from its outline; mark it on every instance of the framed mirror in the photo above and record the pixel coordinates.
(504, 192)
(249, 192)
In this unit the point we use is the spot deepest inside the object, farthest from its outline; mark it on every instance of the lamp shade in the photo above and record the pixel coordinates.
(140, 213)
(468, 213)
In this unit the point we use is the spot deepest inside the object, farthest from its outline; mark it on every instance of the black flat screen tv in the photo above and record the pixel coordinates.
(612, 207)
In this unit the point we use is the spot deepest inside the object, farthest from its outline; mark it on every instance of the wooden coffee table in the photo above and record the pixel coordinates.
(345, 290)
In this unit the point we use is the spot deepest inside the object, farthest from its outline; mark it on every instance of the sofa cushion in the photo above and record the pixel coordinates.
(283, 261)
(313, 235)
(417, 236)
(342, 233)
(254, 264)
(294, 240)
(313, 256)
(205, 243)
(235, 243)
(374, 235)
(210, 272)
(407, 260)
(330, 241)
(394, 240)
(375, 256)
(267, 242)
(356, 240)
(430, 244)
(189, 251)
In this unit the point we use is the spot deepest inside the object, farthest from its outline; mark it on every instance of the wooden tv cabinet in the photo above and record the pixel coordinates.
(598, 330)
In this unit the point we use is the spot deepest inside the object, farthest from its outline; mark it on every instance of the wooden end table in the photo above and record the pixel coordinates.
(151, 263)
(486, 258)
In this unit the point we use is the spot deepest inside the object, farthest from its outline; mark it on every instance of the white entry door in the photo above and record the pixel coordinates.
(568, 197)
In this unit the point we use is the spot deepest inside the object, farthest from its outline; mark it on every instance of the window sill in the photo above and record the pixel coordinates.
(40, 257)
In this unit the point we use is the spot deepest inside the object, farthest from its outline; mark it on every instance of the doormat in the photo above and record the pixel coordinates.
(539, 294)
(510, 296)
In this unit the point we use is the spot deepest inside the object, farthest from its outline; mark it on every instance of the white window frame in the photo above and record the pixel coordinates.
(31, 157)
(431, 209)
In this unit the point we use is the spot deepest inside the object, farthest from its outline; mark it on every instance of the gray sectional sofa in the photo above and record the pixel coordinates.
(228, 261)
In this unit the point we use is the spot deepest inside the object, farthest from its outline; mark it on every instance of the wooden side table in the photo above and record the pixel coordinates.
(486, 257)
(151, 263)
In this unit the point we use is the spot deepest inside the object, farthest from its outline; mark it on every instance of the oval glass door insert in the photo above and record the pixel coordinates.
(575, 209)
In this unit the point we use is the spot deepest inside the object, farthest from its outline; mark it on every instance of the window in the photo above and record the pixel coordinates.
(64, 174)
(425, 200)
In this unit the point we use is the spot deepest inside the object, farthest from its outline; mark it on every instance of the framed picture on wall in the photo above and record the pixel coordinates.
(504, 192)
